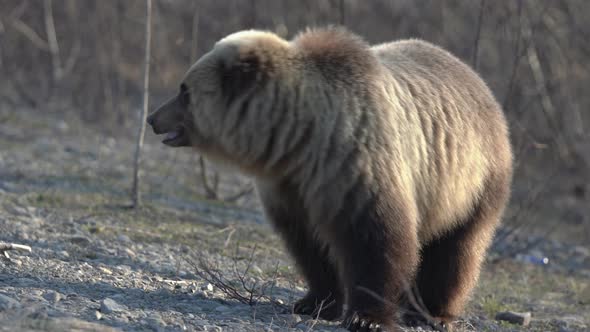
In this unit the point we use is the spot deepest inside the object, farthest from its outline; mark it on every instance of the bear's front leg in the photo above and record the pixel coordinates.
(377, 248)
(324, 298)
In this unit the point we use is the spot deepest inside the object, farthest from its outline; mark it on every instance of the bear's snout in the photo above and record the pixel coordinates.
(169, 119)
(150, 119)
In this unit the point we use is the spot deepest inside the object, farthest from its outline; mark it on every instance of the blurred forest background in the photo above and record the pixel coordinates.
(83, 60)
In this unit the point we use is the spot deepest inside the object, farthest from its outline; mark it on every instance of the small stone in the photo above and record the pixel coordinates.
(208, 287)
(581, 251)
(123, 269)
(96, 229)
(256, 269)
(156, 323)
(16, 262)
(292, 318)
(97, 315)
(109, 305)
(130, 252)
(7, 302)
(212, 328)
(105, 270)
(52, 296)
(63, 254)
(23, 235)
(124, 238)
(80, 240)
(520, 318)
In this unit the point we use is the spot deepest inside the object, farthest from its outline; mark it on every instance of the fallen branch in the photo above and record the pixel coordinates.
(5, 247)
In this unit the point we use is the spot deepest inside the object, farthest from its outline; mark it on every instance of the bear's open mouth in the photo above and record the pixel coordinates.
(175, 137)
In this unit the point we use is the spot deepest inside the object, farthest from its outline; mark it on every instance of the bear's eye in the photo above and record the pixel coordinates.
(184, 95)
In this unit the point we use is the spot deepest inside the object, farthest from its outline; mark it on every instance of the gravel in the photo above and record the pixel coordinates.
(52, 296)
(109, 305)
(7, 302)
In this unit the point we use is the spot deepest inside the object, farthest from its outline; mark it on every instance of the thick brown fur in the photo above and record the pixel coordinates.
(381, 167)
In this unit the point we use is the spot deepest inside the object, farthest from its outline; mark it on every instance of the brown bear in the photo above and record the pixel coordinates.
(384, 168)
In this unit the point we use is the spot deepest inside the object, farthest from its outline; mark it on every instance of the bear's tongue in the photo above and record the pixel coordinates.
(172, 135)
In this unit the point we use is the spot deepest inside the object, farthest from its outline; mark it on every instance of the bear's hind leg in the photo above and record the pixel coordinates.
(450, 265)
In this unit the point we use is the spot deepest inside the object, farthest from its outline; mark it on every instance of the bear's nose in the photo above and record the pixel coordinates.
(150, 120)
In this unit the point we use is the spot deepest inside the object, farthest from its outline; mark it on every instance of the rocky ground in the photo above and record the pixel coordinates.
(183, 262)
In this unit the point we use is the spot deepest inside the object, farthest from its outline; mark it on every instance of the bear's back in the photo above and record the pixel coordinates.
(455, 131)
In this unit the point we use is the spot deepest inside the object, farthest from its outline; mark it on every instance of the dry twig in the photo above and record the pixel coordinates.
(241, 286)
(5, 247)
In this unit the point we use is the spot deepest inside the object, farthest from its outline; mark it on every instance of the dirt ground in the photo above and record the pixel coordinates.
(97, 265)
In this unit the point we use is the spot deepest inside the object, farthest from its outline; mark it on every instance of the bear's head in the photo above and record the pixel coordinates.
(255, 100)
(223, 102)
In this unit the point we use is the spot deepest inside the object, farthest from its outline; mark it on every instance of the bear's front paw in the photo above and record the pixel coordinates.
(361, 322)
(442, 324)
(315, 306)
(414, 319)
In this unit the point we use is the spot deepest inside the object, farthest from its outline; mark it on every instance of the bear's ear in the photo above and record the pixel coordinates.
(239, 74)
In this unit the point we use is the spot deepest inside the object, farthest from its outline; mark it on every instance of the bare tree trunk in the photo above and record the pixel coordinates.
(146, 84)
(546, 103)
(52, 40)
(474, 63)
(194, 36)
(341, 12)
(517, 57)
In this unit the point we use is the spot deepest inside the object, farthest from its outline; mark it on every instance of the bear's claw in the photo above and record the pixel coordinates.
(358, 323)
(438, 324)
